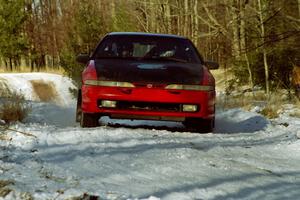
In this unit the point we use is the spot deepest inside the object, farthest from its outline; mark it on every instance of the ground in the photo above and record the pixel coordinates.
(50, 157)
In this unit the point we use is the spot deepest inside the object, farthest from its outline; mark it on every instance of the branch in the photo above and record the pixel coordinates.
(292, 18)
(286, 36)
(14, 130)
(223, 30)
(294, 22)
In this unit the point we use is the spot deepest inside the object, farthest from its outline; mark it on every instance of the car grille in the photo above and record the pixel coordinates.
(150, 106)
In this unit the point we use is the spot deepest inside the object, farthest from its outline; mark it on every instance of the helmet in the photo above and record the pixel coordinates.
(125, 49)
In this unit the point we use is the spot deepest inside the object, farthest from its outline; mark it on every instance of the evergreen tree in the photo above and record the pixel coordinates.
(13, 41)
(85, 31)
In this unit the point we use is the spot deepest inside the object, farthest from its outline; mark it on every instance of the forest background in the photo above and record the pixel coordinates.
(256, 40)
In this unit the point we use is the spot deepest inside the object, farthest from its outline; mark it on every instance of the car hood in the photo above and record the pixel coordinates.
(165, 72)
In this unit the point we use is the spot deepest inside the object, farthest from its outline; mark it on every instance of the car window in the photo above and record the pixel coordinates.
(147, 48)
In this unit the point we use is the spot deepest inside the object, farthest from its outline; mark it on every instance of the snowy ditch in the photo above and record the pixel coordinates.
(247, 157)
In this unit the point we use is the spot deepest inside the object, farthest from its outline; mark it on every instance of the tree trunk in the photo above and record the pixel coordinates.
(168, 17)
(146, 16)
(10, 64)
(186, 18)
(113, 15)
(242, 27)
(236, 51)
(6, 65)
(196, 23)
(152, 17)
(299, 7)
(262, 27)
(243, 40)
(179, 18)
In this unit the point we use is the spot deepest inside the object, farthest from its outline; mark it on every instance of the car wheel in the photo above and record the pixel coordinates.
(200, 125)
(78, 107)
(89, 120)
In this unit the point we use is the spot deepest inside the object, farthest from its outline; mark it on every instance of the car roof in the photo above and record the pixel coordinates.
(145, 34)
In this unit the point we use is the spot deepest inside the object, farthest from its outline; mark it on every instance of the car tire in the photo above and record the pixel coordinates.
(199, 125)
(78, 107)
(88, 120)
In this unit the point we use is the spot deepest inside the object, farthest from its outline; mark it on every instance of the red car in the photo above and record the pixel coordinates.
(147, 76)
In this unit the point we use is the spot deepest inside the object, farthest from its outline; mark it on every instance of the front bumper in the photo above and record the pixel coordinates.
(153, 103)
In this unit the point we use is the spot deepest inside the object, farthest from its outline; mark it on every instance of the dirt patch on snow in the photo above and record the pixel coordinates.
(45, 91)
(4, 190)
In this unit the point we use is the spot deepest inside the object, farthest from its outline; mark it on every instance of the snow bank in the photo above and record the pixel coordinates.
(239, 121)
(20, 82)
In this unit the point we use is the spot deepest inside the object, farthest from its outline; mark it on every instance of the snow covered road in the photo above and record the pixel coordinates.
(248, 157)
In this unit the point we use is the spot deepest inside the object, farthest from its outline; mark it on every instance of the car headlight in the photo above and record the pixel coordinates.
(108, 83)
(190, 87)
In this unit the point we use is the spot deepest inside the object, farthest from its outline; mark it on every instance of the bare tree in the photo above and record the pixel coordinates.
(264, 51)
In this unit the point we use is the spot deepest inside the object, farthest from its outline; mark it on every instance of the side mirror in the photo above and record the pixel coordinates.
(83, 58)
(211, 65)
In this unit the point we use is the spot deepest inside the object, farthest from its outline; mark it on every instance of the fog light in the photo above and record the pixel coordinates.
(108, 104)
(189, 108)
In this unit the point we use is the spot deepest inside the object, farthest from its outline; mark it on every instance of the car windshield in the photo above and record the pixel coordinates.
(147, 48)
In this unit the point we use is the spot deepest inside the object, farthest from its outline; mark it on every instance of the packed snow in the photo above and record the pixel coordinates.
(51, 157)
